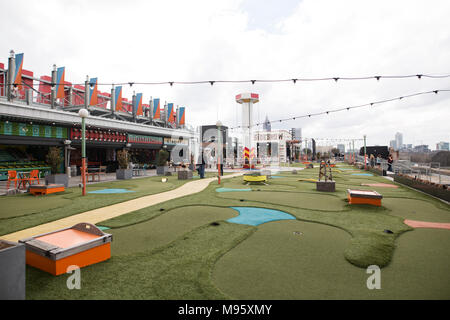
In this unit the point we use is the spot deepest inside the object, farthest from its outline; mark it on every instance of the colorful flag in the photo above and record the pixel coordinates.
(138, 104)
(18, 73)
(118, 98)
(171, 113)
(93, 92)
(60, 73)
(181, 116)
(156, 111)
(246, 153)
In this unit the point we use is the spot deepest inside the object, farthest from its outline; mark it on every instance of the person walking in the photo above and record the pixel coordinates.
(372, 161)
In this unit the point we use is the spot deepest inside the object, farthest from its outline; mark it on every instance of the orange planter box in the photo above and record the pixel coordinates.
(81, 245)
(40, 189)
(364, 197)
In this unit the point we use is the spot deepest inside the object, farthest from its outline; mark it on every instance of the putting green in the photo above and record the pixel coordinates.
(416, 209)
(165, 228)
(16, 206)
(419, 268)
(276, 263)
(308, 201)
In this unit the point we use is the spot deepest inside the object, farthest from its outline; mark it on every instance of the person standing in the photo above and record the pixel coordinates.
(201, 166)
(390, 161)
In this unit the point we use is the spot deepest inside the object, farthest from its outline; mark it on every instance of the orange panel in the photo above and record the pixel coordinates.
(81, 259)
(358, 200)
(67, 238)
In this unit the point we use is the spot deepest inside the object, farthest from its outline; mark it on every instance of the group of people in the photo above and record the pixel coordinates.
(377, 161)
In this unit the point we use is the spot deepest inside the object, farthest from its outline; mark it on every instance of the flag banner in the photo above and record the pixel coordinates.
(156, 109)
(246, 153)
(252, 153)
(181, 116)
(18, 71)
(138, 104)
(171, 113)
(93, 92)
(118, 98)
(60, 73)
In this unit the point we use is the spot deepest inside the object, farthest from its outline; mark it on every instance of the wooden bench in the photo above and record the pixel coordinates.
(40, 189)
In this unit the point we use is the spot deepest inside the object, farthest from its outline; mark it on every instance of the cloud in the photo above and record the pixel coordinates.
(121, 41)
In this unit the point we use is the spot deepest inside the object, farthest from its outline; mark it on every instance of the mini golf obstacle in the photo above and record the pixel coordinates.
(42, 189)
(255, 177)
(81, 245)
(364, 197)
(255, 216)
(325, 173)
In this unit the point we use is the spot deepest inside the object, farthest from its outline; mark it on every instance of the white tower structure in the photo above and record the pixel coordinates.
(247, 100)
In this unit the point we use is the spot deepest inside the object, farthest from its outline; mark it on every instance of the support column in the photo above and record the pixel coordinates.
(10, 75)
(53, 88)
(86, 93)
(113, 102)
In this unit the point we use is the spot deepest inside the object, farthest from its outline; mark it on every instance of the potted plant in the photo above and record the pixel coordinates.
(54, 160)
(123, 172)
(12, 270)
(162, 163)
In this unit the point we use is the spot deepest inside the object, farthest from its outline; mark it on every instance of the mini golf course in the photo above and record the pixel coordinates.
(283, 240)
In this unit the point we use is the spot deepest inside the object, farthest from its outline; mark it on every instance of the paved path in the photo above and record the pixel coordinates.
(101, 214)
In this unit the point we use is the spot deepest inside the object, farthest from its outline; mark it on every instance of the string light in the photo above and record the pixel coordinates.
(357, 106)
(294, 80)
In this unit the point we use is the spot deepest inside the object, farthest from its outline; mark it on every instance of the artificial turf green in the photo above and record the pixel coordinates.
(171, 253)
(179, 270)
(26, 211)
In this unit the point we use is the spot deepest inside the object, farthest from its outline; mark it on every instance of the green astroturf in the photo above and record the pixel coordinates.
(172, 250)
(25, 210)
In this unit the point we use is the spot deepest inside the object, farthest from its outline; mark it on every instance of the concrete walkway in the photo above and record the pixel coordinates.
(101, 214)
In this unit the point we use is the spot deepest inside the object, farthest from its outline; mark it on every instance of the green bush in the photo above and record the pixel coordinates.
(54, 159)
(163, 156)
(123, 158)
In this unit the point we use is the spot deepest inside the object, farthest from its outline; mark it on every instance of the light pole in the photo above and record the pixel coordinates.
(83, 113)
(219, 145)
(365, 154)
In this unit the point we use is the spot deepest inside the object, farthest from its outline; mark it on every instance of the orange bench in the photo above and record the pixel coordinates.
(364, 197)
(40, 189)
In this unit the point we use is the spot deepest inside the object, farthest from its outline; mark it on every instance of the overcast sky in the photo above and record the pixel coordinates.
(144, 41)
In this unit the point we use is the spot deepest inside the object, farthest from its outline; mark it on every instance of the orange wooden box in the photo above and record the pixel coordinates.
(364, 197)
(40, 189)
(81, 245)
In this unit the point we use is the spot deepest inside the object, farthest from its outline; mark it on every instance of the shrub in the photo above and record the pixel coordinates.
(54, 159)
(163, 156)
(123, 158)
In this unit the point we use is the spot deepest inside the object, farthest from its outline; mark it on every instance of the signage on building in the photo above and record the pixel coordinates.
(32, 130)
(99, 135)
(174, 141)
(136, 138)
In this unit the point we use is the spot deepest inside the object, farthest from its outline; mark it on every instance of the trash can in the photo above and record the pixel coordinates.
(12, 270)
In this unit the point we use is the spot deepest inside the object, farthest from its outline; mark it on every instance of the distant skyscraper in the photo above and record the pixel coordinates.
(393, 144)
(398, 140)
(296, 133)
(267, 126)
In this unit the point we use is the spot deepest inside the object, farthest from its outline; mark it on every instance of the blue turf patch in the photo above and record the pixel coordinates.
(102, 228)
(256, 216)
(108, 191)
(276, 177)
(231, 190)
(362, 174)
